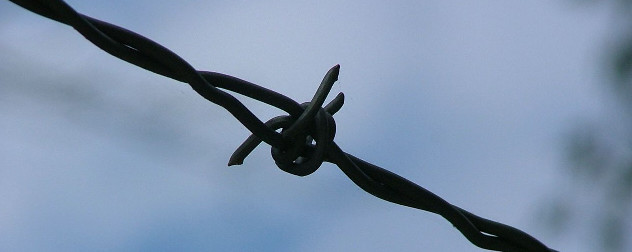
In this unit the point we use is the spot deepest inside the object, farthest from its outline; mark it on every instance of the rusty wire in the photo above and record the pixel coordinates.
(307, 132)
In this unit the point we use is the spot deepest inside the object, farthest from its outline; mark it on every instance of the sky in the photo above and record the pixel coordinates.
(469, 100)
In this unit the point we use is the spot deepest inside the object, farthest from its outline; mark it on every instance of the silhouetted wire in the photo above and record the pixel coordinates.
(307, 132)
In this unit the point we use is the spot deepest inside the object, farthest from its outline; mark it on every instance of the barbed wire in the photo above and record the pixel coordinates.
(307, 133)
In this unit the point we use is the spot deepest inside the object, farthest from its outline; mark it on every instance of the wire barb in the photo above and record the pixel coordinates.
(307, 133)
(301, 157)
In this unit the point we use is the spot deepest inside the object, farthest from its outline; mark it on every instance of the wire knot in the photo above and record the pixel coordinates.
(306, 149)
(306, 137)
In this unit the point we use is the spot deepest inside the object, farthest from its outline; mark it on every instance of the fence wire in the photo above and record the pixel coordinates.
(306, 139)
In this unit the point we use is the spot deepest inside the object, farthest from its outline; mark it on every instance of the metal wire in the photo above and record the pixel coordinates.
(292, 149)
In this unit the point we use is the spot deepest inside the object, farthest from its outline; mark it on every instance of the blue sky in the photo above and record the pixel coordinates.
(469, 100)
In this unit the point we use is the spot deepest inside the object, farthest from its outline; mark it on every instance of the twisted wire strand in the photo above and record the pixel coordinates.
(292, 148)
